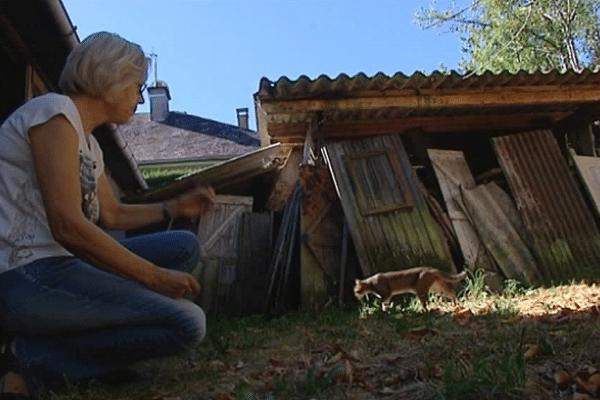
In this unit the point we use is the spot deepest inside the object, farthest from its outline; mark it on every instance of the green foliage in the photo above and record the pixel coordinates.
(489, 375)
(156, 178)
(512, 35)
(475, 288)
(243, 391)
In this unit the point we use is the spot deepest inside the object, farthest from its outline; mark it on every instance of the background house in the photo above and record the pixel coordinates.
(164, 139)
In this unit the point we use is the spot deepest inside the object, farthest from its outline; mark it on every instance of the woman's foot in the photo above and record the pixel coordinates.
(11, 382)
(12, 385)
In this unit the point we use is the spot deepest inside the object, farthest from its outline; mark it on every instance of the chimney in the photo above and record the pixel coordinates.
(242, 117)
(159, 101)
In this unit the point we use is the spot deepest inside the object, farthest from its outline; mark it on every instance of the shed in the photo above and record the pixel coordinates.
(445, 111)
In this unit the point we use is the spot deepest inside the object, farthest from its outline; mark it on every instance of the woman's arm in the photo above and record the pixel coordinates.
(54, 147)
(116, 215)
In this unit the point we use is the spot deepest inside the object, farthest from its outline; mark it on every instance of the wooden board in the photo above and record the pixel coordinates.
(452, 173)
(219, 237)
(321, 231)
(391, 226)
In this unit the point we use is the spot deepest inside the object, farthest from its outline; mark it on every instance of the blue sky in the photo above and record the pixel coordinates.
(213, 53)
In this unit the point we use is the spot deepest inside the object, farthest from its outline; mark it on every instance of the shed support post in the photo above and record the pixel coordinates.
(582, 140)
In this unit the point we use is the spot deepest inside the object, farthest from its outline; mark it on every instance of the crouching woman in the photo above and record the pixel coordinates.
(76, 303)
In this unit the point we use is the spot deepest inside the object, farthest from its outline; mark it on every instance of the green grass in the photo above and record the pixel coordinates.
(306, 356)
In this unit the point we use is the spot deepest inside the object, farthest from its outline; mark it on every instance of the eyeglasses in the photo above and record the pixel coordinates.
(142, 88)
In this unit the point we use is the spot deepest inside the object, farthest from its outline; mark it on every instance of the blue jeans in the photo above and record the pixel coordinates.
(72, 320)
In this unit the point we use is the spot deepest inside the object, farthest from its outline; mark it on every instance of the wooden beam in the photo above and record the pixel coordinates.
(23, 50)
(578, 120)
(430, 99)
(331, 129)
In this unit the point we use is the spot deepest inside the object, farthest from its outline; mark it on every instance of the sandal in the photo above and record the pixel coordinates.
(10, 379)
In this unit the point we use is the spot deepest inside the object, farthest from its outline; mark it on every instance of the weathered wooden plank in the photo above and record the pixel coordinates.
(392, 239)
(294, 132)
(251, 281)
(432, 99)
(452, 173)
(498, 234)
(218, 234)
(285, 182)
(321, 229)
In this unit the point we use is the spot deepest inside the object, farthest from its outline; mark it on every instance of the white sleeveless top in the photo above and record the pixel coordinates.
(24, 232)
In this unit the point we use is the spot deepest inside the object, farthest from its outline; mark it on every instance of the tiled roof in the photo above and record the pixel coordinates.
(153, 141)
(212, 128)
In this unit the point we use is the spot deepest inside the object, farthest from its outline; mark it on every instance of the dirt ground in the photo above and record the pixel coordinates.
(541, 344)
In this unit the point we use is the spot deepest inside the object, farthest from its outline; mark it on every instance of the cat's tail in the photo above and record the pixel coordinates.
(457, 277)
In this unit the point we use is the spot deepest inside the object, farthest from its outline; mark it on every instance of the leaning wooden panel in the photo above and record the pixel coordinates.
(453, 173)
(390, 223)
(321, 222)
(218, 234)
(564, 235)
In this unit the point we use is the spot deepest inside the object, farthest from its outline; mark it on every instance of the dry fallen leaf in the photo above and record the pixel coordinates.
(363, 331)
(594, 384)
(533, 352)
(418, 333)
(562, 379)
(588, 383)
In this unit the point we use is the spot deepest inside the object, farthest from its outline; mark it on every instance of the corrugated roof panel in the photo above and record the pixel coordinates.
(564, 236)
(303, 86)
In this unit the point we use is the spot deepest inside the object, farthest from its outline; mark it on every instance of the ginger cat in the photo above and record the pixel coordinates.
(419, 281)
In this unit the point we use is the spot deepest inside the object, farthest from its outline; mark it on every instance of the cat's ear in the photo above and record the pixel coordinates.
(357, 281)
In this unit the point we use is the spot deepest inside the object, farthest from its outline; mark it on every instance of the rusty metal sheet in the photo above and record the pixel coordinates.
(589, 171)
(389, 221)
(564, 236)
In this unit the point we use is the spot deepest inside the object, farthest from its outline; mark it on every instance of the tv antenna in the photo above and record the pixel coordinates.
(154, 58)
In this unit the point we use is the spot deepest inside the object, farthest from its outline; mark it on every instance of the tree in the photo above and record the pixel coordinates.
(517, 35)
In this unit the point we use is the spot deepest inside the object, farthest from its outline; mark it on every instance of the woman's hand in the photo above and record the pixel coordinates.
(194, 204)
(175, 284)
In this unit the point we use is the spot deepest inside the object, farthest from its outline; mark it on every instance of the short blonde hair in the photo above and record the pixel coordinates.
(102, 63)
